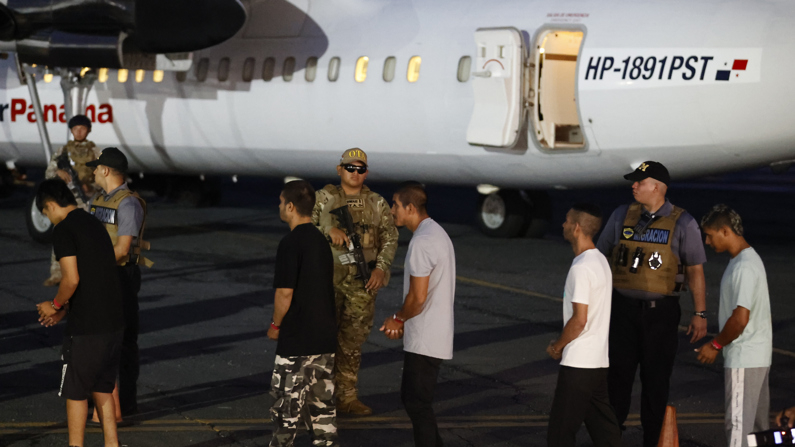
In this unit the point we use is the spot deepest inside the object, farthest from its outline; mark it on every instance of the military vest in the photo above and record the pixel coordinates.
(658, 267)
(107, 213)
(364, 212)
(80, 154)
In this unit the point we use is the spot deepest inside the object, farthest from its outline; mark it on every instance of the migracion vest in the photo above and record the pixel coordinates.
(107, 213)
(655, 268)
(364, 211)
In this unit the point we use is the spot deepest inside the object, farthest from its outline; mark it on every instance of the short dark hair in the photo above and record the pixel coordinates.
(301, 194)
(722, 216)
(589, 216)
(54, 190)
(413, 193)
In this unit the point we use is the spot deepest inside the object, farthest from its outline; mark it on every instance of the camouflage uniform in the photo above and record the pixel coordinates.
(80, 154)
(355, 306)
(302, 383)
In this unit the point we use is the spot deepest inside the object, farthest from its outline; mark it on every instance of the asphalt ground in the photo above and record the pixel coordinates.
(206, 304)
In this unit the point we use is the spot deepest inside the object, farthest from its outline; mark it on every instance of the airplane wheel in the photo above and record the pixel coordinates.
(39, 227)
(502, 214)
(539, 213)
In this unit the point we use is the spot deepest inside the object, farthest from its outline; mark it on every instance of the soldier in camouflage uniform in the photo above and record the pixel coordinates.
(304, 324)
(355, 300)
(80, 151)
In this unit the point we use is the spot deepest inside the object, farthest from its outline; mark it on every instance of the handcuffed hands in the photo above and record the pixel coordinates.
(392, 329)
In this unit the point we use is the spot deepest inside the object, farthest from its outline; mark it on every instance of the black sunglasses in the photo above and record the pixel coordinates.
(353, 168)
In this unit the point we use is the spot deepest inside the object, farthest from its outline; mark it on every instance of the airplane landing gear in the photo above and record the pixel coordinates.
(511, 213)
(39, 227)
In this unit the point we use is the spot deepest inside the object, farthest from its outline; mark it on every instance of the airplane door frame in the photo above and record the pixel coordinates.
(590, 144)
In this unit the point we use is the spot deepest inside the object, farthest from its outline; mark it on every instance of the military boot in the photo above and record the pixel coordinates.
(354, 407)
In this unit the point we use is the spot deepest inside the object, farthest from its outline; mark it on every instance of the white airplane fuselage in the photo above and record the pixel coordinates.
(686, 112)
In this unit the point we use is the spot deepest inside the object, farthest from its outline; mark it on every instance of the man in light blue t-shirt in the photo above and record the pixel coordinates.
(425, 321)
(746, 329)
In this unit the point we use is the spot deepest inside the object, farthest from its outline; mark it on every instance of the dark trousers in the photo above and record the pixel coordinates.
(581, 396)
(129, 367)
(645, 334)
(416, 391)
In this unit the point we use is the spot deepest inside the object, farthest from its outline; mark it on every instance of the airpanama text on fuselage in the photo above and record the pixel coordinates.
(19, 109)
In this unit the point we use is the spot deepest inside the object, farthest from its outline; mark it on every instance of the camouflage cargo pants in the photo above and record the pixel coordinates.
(355, 312)
(304, 385)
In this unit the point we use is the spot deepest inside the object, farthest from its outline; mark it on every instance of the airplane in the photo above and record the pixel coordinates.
(514, 97)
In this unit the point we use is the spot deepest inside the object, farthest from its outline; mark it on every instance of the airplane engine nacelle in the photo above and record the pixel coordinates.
(97, 33)
(62, 49)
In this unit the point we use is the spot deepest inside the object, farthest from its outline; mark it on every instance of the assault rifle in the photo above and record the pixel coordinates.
(66, 165)
(355, 254)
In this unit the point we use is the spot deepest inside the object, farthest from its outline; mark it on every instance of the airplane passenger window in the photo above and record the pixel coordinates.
(202, 68)
(102, 76)
(311, 69)
(361, 69)
(267, 69)
(248, 69)
(464, 68)
(158, 75)
(413, 72)
(122, 75)
(389, 68)
(182, 76)
(334, 69)
(139, 76)
(289, 68)
(223, 69)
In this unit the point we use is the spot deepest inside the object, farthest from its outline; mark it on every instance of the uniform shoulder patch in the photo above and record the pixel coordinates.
(628, 233)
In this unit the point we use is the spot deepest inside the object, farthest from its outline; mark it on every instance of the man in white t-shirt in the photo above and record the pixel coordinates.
(426, 318)
(746, 329)
(581, 392)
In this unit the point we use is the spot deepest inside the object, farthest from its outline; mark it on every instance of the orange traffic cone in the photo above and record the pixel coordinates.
(669, 436)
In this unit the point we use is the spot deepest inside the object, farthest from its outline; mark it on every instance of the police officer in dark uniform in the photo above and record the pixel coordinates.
(654, 249)
(124, 214)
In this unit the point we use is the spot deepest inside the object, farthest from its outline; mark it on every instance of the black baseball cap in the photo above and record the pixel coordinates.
(111, 157)
(651, 169)
(80, 120)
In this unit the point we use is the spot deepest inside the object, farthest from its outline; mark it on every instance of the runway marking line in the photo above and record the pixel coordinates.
(360, 423)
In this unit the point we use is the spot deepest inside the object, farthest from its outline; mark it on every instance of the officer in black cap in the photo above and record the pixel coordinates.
(654, 249)
(80, 151)
(124, 214)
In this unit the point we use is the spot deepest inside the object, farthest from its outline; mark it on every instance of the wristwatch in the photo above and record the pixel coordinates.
(701, 314)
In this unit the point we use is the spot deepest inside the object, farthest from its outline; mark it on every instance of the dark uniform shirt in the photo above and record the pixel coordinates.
(686, 243)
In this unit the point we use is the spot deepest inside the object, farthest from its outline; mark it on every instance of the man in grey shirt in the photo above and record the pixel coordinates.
(427, 312)
(124, 213)
(654, 248)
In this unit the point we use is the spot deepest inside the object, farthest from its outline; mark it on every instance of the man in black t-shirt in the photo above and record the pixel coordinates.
(90, 289)
(304, 323)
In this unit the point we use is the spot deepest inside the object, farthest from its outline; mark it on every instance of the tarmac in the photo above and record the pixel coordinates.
(206, 304)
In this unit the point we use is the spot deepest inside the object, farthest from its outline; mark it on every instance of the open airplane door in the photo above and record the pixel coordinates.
(497, 117)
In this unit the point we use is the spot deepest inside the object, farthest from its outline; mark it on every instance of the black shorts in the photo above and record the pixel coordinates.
(91, 363)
